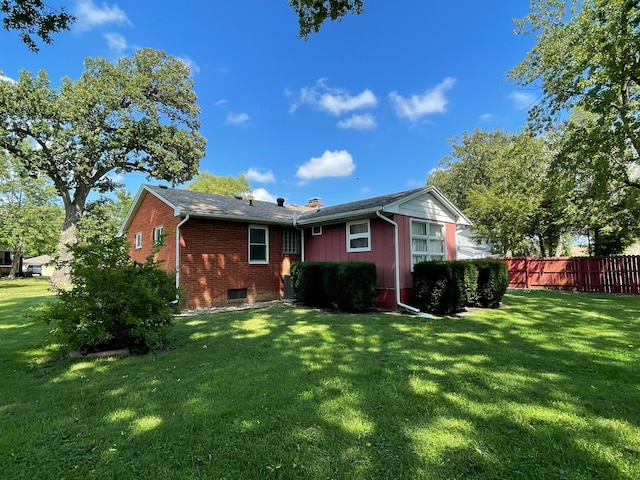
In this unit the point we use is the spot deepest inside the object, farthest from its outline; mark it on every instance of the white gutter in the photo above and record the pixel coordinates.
(301, 230)
(178, 250)
(397, 268)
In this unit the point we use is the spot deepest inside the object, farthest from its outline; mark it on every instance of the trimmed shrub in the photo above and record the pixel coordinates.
(307, 280)
(493, 280)
(444, 287)
(114, 303)
(351, 286)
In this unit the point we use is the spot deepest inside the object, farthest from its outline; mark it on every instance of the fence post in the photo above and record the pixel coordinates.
(526, 270)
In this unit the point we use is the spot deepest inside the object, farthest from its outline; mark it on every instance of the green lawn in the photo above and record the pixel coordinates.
(547, 387)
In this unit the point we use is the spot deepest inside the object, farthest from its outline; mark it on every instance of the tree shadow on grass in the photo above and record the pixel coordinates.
(293, 393)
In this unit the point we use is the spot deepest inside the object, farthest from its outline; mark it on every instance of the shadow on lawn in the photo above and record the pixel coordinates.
(293, 393)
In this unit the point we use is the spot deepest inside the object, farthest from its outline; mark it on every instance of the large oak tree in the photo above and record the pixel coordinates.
(138, 115)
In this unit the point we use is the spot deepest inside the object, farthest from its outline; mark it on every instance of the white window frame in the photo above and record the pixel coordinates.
(264, 261)
(157, 235)
(356, 236)
(138, 241)
(316, 230)
(430, 255)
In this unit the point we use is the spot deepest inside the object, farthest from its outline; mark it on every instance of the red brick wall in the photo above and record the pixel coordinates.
(215, 258)
(214, 255)
(154, 213)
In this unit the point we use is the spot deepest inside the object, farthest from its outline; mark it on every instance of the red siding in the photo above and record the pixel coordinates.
(331, 246)
(213, 255)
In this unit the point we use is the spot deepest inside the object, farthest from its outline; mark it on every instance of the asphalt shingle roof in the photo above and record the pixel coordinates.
(220, 206)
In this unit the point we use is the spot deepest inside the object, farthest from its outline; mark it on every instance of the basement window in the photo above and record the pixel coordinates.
(236, 294)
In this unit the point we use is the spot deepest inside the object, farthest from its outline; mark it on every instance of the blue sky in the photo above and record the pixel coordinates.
(364, 108)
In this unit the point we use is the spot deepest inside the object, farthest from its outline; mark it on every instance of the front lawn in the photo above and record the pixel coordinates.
(546, 387)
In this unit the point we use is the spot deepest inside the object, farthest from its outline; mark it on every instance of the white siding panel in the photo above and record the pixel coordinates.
(427, 207)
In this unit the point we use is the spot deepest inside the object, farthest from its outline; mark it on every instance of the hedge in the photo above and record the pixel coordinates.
(443, 287)
(493, 280)
(350, 286)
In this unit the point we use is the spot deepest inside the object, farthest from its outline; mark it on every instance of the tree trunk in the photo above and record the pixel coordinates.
(17, 255)
(68, 238)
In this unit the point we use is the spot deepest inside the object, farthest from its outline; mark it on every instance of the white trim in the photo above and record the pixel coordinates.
(266, 244)
(317, 232)
(138, 240)
(358, 236)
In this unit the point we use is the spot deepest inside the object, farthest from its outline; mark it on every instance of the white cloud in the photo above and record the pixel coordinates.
(193, 66)
(330, 164)
(486, 117)
(236, 119)
(89, 15)
(417, 106)
(256, 175)
(4, 78)
(522, 100)
(359, 122)
(117, 43)
(333, 100)
(222, 101)
(264, 195)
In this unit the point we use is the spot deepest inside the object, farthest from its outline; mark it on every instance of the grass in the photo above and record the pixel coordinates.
(546, 387)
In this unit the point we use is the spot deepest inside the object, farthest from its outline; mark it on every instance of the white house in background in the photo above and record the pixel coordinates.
(468, 248)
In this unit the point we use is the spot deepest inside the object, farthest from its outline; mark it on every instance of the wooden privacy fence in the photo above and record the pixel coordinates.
(582, 274)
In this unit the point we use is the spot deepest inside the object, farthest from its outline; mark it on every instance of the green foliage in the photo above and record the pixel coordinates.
(103, 217)
(351, 285)
(207, 182)
(137, 115)
(114, 303)
(493, 280)
(444, 287)
(34, 17)
(504, 184)
(307, 280)
(313, 13)
(585, 60)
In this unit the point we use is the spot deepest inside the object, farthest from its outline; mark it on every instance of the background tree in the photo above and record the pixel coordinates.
(34, 17)
(313, 13)
(138, 115)
(586, 58)
(501, 182)
(207, 182)
(602, 207)
(103, 217)
(30, 217)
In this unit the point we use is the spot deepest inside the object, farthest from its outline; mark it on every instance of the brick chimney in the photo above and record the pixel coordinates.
(314, 203)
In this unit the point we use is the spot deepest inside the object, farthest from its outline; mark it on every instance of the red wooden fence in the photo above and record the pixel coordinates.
(581, 274)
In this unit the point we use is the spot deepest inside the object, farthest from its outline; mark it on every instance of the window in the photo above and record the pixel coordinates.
(427, 242)
(157, 235)
(290, 241)
(138, 240)
(236, 294)
(317, 230)
(358, 236)
(258, 245)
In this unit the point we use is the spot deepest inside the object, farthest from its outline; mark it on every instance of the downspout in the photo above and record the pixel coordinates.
(178, 251)
(397, 268)
(301, 230)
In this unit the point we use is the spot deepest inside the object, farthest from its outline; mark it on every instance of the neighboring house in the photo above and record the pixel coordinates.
(239, 250)
(44, 261)
(468, 248)
(6, 259)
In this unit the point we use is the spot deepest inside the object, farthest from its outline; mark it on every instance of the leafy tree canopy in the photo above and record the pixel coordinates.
(586, 58)
(207, 182)
(34, 18)
(138, 115)
(313, 13)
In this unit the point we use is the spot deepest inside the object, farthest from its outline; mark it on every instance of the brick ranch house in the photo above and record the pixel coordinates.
(227, 250)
